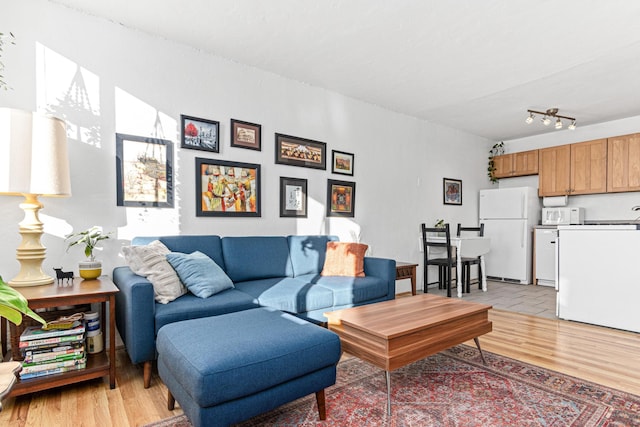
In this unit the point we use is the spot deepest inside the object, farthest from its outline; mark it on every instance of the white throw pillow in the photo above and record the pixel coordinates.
(151, 262)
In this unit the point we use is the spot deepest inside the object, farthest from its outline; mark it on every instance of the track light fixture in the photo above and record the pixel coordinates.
(546, 118)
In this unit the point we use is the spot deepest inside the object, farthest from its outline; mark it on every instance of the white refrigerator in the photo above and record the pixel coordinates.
(509, 216)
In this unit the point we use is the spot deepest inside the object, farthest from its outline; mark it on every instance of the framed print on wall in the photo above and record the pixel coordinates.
(294, 151)
(227, 188)
(451, 191)
(341, 162)
(246, 135)
(144, 171)
(341, 198)
(293, 197)
(199, 134)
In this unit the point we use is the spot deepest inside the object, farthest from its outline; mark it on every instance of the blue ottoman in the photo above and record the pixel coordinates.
(228, 368)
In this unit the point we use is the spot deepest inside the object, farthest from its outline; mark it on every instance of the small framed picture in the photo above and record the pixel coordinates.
(200, 134)
(293, 197)
(144, 171)
(341, 162)
(227, 189)
(341, 198)
(246, 135)
(294, 151)
(452, 191)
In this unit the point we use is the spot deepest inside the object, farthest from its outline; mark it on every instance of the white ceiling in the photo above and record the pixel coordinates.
(475, 65)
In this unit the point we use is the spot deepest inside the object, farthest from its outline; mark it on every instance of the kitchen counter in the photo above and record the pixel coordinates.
(598, 275)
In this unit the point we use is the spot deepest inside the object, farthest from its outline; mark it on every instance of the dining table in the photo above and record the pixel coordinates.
(467, 247)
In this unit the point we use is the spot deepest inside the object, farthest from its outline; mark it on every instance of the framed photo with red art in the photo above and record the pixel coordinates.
(200, 134)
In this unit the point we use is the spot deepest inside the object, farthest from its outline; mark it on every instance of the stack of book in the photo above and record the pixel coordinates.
(48, 352)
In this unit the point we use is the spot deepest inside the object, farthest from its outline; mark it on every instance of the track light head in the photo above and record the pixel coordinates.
(529, 119)
(546, 120)
(558, 124)
(572, 126)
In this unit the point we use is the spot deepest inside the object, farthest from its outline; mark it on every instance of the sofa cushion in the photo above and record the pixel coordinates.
(252, 258)
(150, 261)
(190, 306)
(349, 290)
(248, 352)
(287, 294)
(344, 259)
(208, 245)
(199, 273)
(308, 252)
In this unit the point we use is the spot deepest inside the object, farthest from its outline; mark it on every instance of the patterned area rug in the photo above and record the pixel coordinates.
(454, 388)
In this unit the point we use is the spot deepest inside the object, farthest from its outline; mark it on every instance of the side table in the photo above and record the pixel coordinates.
(101, 290)
(405, 270)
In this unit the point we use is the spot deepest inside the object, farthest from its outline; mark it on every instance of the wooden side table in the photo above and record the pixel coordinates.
(405, 270)
(101, 290)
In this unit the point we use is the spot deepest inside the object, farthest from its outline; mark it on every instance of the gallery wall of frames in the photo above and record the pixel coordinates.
(227, 188)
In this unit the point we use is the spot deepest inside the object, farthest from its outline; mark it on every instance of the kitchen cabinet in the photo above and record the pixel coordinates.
(516, 164)
(554, 171)
(573, 169)
(623, 160)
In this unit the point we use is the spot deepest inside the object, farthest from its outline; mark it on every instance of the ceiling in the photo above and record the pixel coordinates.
(467, 64)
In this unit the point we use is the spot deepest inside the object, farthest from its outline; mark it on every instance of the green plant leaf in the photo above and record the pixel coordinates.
(13, 305)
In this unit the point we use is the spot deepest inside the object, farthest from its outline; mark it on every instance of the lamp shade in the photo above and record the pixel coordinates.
(33, 154)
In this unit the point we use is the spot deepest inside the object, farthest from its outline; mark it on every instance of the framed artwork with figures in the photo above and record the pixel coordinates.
(452, 191)
(341, 198)
(293, 197)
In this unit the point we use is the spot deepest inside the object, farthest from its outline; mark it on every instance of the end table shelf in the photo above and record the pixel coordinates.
(101, 290)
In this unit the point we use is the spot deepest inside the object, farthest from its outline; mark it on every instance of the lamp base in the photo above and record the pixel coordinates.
(31, 252)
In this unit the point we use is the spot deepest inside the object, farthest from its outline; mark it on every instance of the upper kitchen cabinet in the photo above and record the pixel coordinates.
(623, 172)
(589, 167)
(516, 164)
(555, 171)
(573, 169)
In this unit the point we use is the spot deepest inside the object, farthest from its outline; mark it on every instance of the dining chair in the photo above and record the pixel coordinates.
(468, 262)
(441, 247)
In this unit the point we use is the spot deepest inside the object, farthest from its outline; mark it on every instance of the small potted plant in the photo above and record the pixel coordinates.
(90, 268)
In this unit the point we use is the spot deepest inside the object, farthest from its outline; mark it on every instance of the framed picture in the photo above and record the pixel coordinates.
(294, 151)
(293, 197)
(200, 134)
(451, 191)
(144, 171)
(341, 198)
(227, 188)
(341, 162)
(246, 135)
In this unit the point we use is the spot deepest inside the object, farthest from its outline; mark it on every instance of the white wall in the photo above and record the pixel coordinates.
(132, 78)
(597, 206)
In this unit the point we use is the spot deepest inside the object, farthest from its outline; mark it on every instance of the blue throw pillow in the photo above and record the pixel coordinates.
(199, 273)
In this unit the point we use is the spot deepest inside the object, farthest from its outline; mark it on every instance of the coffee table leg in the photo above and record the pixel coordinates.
(388, 377)
(484, 362)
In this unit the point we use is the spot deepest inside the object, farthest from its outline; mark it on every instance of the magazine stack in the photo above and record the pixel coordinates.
(52, 351)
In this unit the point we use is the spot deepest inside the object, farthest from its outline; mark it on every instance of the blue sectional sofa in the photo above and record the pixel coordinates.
(267, 271)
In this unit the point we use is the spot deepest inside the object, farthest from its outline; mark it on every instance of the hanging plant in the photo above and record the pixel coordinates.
(4, 38)
(496, 150)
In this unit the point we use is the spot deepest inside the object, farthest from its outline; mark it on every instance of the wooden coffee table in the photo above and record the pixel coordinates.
(392, 334)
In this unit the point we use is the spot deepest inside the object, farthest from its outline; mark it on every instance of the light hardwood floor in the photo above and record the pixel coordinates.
(606, 356)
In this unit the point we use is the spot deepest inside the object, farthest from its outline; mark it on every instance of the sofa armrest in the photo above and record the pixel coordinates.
(135, 314)
(383, 268)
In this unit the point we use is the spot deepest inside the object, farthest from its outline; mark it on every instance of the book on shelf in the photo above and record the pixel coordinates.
(36, 332)
(52, 371)
(49, 341)
(53, 365)
(57, 356)
(52, 348)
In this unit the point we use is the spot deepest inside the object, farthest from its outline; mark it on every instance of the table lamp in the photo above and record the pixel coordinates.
(33, 163)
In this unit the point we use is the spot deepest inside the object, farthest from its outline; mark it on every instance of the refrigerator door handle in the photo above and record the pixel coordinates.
(523, 236)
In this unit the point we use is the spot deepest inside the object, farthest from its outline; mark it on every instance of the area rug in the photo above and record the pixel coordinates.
(454, 388)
